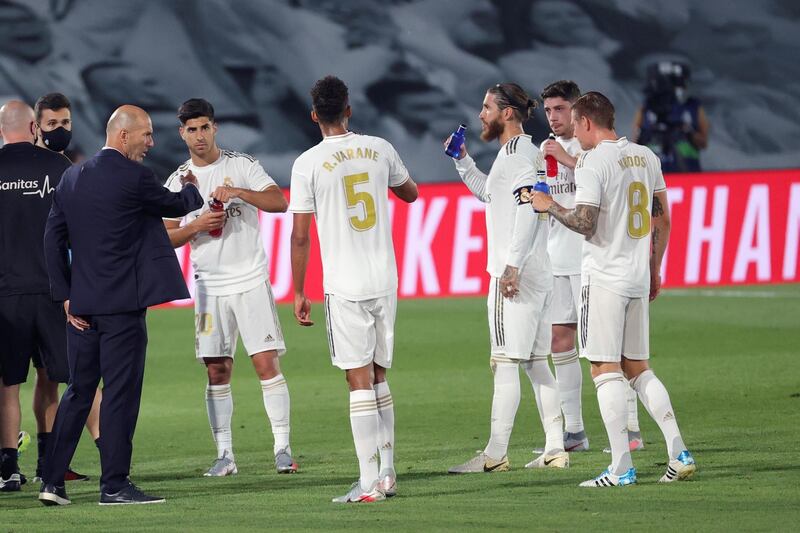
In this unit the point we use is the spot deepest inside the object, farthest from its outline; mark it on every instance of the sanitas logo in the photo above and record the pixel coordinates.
(28, 186)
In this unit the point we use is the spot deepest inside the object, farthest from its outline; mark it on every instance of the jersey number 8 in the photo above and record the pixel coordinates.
(638, 216)
(359, 197)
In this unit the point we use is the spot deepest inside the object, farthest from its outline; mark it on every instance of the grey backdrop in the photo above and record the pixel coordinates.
(416, 68)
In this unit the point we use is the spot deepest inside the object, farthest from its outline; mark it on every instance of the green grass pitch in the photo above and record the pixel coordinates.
(728, 357)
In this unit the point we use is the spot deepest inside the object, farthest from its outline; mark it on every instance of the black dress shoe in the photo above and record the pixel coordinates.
(128, 495)
(51, 494)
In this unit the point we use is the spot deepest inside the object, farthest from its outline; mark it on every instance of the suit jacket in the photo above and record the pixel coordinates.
(108, 211)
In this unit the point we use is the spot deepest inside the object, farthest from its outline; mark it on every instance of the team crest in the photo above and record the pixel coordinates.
(227, 182)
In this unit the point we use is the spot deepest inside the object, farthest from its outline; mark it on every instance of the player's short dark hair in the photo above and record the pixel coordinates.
(596, 107)
(513, 96)
(52, 101)
(330, 99)
(566, 89)
(195, 108)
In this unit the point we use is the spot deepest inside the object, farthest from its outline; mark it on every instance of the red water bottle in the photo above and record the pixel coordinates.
(215, 206)
(552, 164)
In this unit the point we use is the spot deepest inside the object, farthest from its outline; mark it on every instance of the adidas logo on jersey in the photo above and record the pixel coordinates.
(268, 338)
(669, 416)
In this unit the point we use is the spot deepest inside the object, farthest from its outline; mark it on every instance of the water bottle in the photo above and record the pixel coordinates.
(215, 206)
(456, 142)
(552, 164)
(541, 186)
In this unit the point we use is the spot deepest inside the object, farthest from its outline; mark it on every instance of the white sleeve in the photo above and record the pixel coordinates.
(257, 178)
(301, 195)
(398, 173)
(588, 182)
(522, 172)
(474, 179)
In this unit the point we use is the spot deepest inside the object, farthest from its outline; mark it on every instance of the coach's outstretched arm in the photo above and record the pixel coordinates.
(300, 248)
(660, 238)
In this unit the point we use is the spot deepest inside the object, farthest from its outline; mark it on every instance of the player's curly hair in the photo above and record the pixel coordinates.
(566, 89)
(513, 96)
(330, 99)
(52, 101)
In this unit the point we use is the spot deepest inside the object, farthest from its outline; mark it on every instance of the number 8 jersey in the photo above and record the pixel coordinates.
(344, 181)
(620, 178)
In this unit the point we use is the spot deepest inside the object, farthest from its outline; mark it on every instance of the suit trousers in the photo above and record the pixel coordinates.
(112, 348)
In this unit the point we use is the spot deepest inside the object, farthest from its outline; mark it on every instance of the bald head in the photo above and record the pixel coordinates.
(130, 131)
(17, 121)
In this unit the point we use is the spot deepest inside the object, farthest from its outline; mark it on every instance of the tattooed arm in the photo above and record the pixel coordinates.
(582, 219)
(660, 229)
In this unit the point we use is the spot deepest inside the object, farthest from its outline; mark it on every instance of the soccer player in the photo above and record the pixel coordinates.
(564, 248)
(521, 279)
(621, 209)
(233, 293)
(343, 182)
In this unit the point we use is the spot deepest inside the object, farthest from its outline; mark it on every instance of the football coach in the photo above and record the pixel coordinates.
(108, 211)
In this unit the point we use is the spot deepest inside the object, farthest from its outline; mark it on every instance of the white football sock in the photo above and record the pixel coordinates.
(219, 404)
(504, 408)
(383, 397)
(655, 399)
(633, 409)
(545, 389)
(275, 393)
(613, 408)
(570, 381)
(364, 423)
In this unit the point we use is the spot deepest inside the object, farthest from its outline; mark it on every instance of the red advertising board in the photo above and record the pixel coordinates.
(727, 228)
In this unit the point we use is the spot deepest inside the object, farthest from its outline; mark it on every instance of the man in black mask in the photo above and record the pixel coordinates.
(53, 122)
(53, 113)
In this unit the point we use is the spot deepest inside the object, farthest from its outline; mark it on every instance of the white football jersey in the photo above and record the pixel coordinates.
(517, 165)
(620, 177)
(234, 262)
(564, 245)
(344, 181)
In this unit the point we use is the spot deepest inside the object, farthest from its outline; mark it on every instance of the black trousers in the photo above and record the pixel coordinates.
(113, 349)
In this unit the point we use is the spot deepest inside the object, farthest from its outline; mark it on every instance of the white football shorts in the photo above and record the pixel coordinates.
(566, 299)
(612, 325)
(219, 320)
(519, 327)
(360, 332)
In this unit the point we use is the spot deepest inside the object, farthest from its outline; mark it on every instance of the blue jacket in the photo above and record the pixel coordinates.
(108, 211)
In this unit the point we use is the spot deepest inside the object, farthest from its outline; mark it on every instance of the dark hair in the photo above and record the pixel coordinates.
(566, 89)
(330, 99)
(596, 108)
(195, 108)
(52, 101)
(513, 96)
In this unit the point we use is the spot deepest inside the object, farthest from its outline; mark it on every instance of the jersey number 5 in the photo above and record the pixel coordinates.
(638, 216)
(359, 197)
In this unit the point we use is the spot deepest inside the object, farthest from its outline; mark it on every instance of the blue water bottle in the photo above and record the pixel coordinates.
(542, 186)
(456, 142)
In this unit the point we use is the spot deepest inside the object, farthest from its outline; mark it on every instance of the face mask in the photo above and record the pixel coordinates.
(57, 139)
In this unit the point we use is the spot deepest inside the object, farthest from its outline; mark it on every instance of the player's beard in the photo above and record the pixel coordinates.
(493, 130)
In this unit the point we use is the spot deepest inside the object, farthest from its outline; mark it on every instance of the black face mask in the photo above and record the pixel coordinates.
(57, 139)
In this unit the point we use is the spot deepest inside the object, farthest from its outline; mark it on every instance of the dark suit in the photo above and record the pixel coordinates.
(108, 211)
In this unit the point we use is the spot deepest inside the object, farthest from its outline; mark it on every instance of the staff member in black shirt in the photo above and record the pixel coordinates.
(53, 113)
(30, 322)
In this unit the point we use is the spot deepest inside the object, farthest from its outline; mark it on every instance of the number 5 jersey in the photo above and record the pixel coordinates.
(344, 181)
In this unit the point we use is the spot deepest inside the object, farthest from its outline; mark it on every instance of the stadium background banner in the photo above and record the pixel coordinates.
(728, 228)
